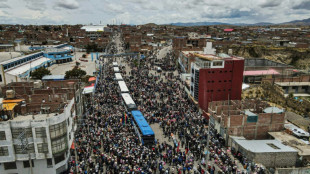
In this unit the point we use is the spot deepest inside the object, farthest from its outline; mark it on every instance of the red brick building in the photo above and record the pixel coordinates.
(252, 119)
(216, 78)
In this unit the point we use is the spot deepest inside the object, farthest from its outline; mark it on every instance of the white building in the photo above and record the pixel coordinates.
(49, 138)
(18, 69)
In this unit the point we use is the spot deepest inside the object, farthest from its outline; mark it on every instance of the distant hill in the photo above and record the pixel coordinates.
(296, 22)
(198, 23)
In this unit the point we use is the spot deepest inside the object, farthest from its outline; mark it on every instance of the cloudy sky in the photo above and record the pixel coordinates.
(147, 11)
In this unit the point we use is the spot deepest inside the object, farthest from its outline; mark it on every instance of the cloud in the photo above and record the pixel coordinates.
(2, 5)
(270, 3)
(68, 4)
(38, 5)
(303, 5)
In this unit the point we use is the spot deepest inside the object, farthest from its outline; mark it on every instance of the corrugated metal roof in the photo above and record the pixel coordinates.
(54, 77)
(275, 110)
(19, 58)
(249, 113)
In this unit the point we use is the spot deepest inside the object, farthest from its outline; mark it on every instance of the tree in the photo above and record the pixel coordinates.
(40, 72)
(47, 28)
(92, 48)
(75, 73)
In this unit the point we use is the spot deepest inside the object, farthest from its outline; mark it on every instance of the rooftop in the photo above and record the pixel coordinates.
(289, 140)
(263, 146)
(55, 50)
(261, 72)
(18, 58)
(293, 83)
(26, 67)
(33, 117)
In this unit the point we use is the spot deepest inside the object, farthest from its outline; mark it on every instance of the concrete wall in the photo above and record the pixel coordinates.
(279, 159)
(293, 170)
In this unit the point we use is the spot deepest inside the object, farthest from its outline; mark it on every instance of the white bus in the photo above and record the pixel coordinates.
(118, 77)
(128, 102)
(116, 69)
(115, 64)
(123, 87)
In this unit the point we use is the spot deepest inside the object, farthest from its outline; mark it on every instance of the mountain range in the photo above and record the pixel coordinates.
(295, 22)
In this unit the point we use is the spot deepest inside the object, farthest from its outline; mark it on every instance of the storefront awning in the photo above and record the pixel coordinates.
(9, 106)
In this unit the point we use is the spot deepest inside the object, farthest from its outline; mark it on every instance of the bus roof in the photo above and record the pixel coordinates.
(115, 64)
(128, 100)
(122, 86)
(116, 69)
(118, 76)
(142, 123)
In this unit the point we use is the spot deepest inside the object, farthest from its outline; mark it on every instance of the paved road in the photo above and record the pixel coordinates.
(60, 69)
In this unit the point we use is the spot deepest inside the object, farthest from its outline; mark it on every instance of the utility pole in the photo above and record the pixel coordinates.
(23, 137)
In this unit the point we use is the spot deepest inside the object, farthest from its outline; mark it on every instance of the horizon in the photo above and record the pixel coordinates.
(139, 12)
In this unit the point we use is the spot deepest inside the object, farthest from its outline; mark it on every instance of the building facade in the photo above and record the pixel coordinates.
(58, 55)
(252, 119)
(216, 78)
(48, 139)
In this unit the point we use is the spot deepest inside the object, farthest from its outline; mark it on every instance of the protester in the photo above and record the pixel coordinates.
(106, 143)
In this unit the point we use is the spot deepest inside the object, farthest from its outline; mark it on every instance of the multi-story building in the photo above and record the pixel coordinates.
(58, 55)
(17, 69)
(215, 77)
(42, 128)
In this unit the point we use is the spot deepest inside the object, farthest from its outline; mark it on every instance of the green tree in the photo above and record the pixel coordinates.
(40, 72)
(75, 73)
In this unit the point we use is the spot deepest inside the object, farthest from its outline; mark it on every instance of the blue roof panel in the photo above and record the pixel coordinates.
(142, 123)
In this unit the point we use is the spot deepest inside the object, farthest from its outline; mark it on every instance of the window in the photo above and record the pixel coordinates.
(217, 63)
(20, 150)
(49, 162)
(77, 99)
(225, 80)
(2, 134)
(58, 130)
(221, 71)
(42, 148)
(4, 151)
(16, 132)
(10, 165)
(59, 145)
(27, 164)
(220, 81)
(59, 158)
(40, 132)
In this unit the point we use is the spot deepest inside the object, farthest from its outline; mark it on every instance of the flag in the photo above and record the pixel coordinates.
(125, 118)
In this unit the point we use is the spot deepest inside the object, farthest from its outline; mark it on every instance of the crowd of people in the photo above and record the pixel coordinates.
(106, 143)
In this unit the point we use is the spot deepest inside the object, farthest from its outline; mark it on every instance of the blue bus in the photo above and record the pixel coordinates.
(142, 128)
